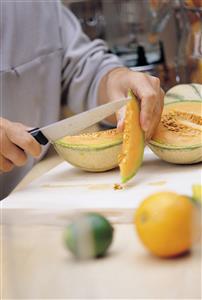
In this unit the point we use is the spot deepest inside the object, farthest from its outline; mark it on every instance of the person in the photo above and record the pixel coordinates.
(47, 60)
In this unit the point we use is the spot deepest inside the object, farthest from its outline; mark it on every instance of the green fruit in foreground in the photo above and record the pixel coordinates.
(197, 193)
(89, 235)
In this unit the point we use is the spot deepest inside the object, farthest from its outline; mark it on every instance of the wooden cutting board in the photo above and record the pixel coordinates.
(66, 187)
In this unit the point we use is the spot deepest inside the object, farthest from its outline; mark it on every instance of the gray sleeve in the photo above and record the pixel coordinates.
(84, 64)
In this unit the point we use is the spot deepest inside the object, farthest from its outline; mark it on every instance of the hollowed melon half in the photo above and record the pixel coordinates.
(93, 152)
(133, 141)
(178, 138)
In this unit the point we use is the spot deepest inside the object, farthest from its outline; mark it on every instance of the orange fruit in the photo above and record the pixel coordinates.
(165, 223)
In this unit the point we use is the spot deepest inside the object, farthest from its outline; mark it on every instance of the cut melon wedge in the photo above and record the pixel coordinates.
(132, 151)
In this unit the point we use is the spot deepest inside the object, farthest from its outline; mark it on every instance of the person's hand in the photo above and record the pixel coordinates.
(15, 144)
(115, 86)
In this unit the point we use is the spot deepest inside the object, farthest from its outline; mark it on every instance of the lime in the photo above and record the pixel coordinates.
(89, 235)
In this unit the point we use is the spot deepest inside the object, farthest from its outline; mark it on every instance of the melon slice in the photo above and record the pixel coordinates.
(132, 151)
(93, 152)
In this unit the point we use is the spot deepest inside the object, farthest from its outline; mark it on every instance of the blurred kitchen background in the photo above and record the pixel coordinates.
(161, 37)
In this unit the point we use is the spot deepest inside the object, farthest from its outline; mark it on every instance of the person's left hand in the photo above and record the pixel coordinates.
(115, 86)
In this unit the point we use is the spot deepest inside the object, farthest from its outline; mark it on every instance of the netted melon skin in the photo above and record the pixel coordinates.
(92, 160)
(184, 92)
(178, 156)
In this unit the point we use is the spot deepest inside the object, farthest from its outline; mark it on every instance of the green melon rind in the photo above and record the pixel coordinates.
(175, 154)
(198, 89)
(97, 157)
(125, 179)
(178, 156)
(174, 147)
(104, 160)
(92, 147)
(181, 101)
(175, 94)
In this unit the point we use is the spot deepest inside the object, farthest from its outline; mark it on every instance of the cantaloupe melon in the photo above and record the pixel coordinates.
(93, 152)
(178, 138)
(184, 92)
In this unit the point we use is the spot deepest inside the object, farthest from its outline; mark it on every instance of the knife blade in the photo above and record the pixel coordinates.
(75, 124)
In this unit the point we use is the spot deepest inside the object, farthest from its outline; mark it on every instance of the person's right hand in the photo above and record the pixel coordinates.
(15, 144)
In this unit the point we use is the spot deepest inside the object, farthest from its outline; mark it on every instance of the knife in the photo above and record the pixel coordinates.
(75, 124)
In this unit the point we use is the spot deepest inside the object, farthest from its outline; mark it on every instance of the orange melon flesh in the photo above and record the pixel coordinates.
(93, 140)
(133, 141)
(188, 125)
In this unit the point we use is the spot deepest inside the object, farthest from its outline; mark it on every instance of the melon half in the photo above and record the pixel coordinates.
(178, 138)
(93, 152)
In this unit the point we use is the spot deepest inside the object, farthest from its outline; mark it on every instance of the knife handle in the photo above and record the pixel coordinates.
(38, 135)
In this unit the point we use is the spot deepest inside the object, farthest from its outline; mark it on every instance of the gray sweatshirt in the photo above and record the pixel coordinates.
(45, 59)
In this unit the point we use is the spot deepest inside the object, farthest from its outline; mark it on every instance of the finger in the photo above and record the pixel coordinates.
(19, 136)
(151, 105)
(161, 102)
(121, 118)
(153, 125)
(155, 82)
(5, 164)
(148, 102)
(144, 90)
(157, 116)
(12, 152)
